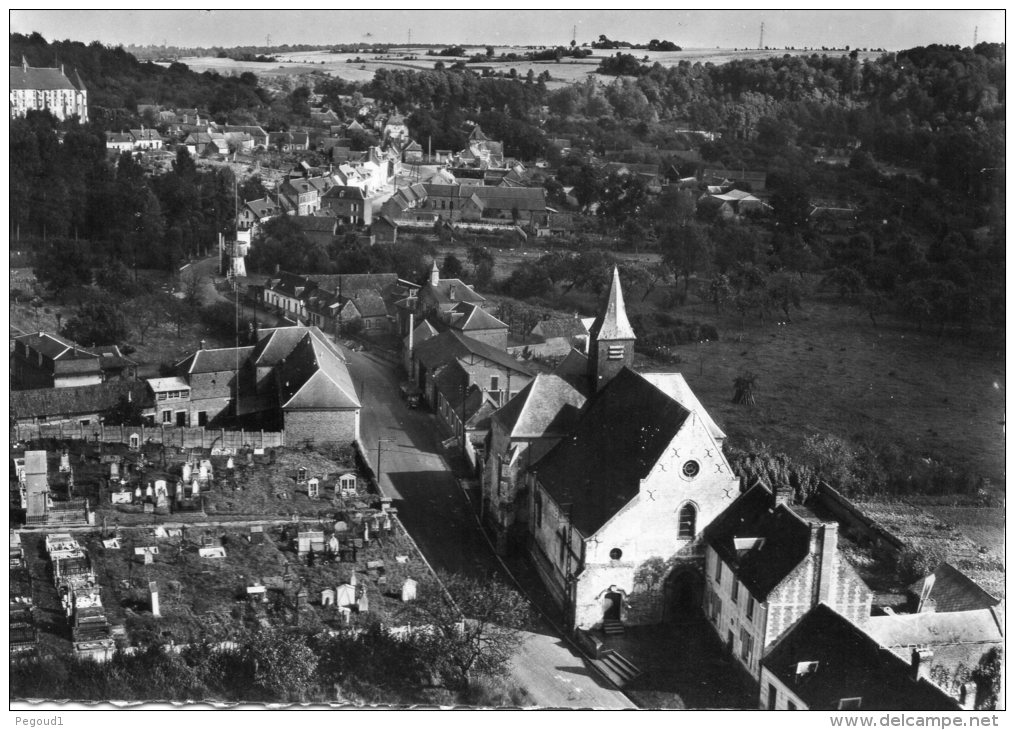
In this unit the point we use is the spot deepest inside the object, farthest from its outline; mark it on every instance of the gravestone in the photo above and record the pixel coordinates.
(409, 590)
(114, 470)
(112, 544)
(327, 597)
(149, 508)
(250, 458)
(195, 488)
(64, 461)
(313, 488)
(341, 527)
(257, 593)
(347, 485)
(402, 559)
(301, 475)
(301, 598)
(137, 493)
(149, 492)
(187, 471)
(212, 552)
(363, 604)
(161, 488)
(345, 595)
(230, 464)
(153, 589)
(333, 545)
(120, 497)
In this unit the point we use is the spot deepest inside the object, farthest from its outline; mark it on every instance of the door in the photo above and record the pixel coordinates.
(202, 418)
(181, 418)
(729, 643)
(611, 606)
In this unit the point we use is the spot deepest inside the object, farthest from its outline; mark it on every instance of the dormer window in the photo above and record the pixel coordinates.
(805, 668)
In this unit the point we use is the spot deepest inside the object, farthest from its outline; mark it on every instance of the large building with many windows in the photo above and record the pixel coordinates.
(47, 88)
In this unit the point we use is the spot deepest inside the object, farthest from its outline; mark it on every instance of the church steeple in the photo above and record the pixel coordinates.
(611, 339)
(435, 274)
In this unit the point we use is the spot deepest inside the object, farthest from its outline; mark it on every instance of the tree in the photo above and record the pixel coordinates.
(452, 268)
(784, 291)
(284, 666)
(191, 284)
(126, 412)
(743, 389)
(687, 250)
(146, 311)
(471, 629)
(98, 321)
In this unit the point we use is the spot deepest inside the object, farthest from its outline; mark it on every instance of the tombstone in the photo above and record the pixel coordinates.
(301, 598)
(386, 526)
(229, 464)
(160, 532)
(353, 580)
(202, 472)
(187, 470)
(341, 527)
(212, 552)
(137, 493)
(347, 485)
(345, 595)
(148, 508)
(333, 545)
(153, 589)
(135, 442)
(174, 532)
(257, 593)
(120, 497)
(149, 493)
(301, 475)
(345, 613)
(195, 488)
(161, 487)
(363, 604)
(409, 590)
(327, 597)
(375, 564)
(313, 488)
(402, 559)
(112, 544)
(385, 503)
(64, 461)
(366, 532)
(250, 458)
(179, 491)
(148, 558)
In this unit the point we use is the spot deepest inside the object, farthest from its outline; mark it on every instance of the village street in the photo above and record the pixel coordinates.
(436, 513)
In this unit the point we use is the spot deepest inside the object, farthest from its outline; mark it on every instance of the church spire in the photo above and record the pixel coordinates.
(435, 274)
(612, 324)
(611, 339)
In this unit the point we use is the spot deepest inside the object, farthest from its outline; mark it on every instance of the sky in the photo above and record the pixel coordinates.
(889, 29)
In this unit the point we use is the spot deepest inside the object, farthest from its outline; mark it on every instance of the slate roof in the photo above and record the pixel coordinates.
(623, 430)
(850, 664)
(82, 399)
(315, 224)
(346, 284)
(442, 292)
(40, 79)
(451, 345)
(313, 376)
(524, 199)
(475, 318)
(951, 590)
(904, 631)
(368, 302)
(674, 385)
(574, 368)
(423, 332)
(277, 343)
(566, 327)
(612, 322)
(786, 540)
(214, 361)
(548, 406)
(262, 207)
(54, 346)
(345, 192)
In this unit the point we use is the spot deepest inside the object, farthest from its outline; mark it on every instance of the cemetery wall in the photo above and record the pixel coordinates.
(182, 437)
(323, 426)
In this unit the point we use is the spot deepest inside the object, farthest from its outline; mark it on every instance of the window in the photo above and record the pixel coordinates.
(686, 522)
(539, 510)
(746, 646)
(735, 590)
(750, 607)
(771, 696)
(616, 554)
(850, 703)
(562, 537)
(167, 416)
(690, 469)
(494, 382)
(718, 569)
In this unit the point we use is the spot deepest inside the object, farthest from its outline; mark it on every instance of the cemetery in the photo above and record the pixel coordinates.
(120, 485)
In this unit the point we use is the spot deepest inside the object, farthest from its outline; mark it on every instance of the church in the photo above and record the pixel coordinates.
(614, 512)
(47, 88)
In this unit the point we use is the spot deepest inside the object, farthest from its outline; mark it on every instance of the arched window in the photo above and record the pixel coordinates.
(687, 519)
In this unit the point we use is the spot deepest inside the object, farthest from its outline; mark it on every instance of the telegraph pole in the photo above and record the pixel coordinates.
(761, 40)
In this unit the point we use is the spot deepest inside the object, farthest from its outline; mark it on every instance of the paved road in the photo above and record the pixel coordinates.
(437, 515)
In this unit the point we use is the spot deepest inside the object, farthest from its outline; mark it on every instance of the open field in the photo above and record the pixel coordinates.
(567, 71)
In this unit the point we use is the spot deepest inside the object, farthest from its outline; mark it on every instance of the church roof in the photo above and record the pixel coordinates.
(612, 323)
(40, 79)
(623, 430)
(674, 385)
(547, 406)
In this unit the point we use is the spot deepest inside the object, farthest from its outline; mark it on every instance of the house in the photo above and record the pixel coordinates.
(561, 334)
(384, 229)
(647, 173)
(475, 322)
(954, 625)
(732, 204)
(465, 409)
(119, 142)
(349, 204)
(304, 195)
(255, 213)
(47, 360)
(289, 141)
(258, 136)
(287, 293)
(521, 432)
(767, 562)
(492, 370)
(395, 129)
(146, 139)
(47, 89)
(826, 662)
(80, 404)
(439, 296)
(412, 152)
(318, 229)
(213, 389)
(329, 301)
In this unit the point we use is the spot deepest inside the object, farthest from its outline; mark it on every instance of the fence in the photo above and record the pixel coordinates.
(182, 437)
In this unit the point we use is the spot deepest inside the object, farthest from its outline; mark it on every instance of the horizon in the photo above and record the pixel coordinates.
(892, 30)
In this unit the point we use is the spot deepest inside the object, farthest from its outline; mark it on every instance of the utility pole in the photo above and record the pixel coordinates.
(761, 40)
(976, 35)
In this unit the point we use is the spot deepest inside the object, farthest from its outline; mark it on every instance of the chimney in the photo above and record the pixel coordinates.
(828, 542)
(781, 494)
(920, 664)
(451, 293)
(203, 343)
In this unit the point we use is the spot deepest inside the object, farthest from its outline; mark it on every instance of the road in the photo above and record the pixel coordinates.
(437, 514)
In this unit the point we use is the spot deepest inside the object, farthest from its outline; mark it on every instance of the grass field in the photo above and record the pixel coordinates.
(568, 71)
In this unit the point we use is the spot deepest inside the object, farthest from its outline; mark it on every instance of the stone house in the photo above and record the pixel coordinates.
(544, 411)
(47, 360)
(80, 404)
(212, 376)
(349, 204)
(475, 322)
(439, 296)
(826, 662)
(767, 562)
